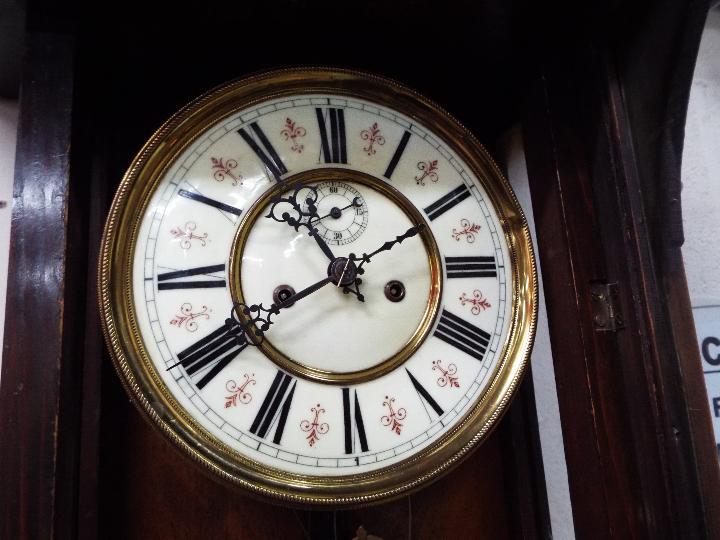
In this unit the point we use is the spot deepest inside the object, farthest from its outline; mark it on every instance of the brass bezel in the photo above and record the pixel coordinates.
(431, 309)
(142, 382)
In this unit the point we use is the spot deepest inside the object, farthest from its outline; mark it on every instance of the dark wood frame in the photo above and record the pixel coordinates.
(638, 442)
(603, 137)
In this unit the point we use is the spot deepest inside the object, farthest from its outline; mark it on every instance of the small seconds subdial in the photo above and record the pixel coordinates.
(343, 213)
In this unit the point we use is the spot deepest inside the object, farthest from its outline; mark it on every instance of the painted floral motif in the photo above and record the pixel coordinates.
(428, 169)
(314, 428)
(187, 234)
(239, 393)
(292, 132)
(467, 229)
(448, 377)
(186, 318)
(224, 169)
(478, 302)
(393, 417)
(372, 136)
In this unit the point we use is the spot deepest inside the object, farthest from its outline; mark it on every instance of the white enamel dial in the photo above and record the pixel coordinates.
(393, 257)
(183, 295)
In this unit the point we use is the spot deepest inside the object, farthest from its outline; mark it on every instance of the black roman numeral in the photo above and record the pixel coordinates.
(397, 155)
(173, 280)
(462, 335)
(258, 141)
(213, 352)
(276, 405)
(353, 422)
(445, 203)
(465, 267)
(210, 202)
(334, 147)
(424, 394)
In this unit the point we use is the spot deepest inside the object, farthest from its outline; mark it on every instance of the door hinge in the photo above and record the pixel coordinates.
(606, 307)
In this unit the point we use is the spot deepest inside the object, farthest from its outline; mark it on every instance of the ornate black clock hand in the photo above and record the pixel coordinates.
(297, 222)
(259, 318)
(412, 231)
(312, 231)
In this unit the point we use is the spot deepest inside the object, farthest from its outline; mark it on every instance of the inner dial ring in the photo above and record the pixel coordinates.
(245, 290)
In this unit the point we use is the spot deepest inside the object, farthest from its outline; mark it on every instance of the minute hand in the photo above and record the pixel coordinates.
(412, 231)
(259, 318)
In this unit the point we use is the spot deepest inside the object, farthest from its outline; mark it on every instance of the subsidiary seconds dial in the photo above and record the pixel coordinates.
(343, 212)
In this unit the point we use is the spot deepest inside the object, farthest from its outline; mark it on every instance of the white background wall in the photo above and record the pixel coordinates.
(701, 171)
(701, 203)
(8, 130)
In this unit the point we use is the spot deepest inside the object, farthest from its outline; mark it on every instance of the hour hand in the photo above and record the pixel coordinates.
(312, 231)
(296, 217)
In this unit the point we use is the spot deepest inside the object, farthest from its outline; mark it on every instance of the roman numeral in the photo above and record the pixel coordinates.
(353, 422)
(258, 141)
(173, 280)
(213, 352)
(210, 202)
(397, 155)
(425, 395)
(276, 405)
(445, 203)
(462, 335)
(333, 145)
(465, 267)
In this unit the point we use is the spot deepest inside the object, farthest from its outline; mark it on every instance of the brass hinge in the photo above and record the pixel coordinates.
(605, 306)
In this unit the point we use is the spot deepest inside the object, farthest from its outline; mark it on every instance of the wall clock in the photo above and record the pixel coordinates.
(319, 286)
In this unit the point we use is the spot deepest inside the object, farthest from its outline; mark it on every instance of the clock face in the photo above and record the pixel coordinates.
(318, 292)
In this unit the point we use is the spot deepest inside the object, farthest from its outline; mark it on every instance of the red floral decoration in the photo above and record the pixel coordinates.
(186, 318)
(428, 169)
(393, 417)
(467, 229)
(478, 302)
(448, 376)
(224, 169)
(372, 136)
(239, 394)
(187, 234)
(314, 428)
(292, 132)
